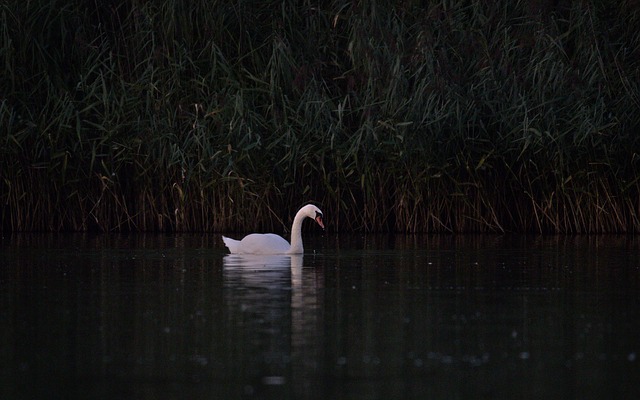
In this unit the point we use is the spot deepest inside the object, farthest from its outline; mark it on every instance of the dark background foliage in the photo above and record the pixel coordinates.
(392, 116)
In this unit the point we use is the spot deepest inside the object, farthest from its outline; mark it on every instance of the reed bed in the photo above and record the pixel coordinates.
(506, 116)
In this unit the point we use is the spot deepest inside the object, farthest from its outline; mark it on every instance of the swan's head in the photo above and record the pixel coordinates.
(312, 212)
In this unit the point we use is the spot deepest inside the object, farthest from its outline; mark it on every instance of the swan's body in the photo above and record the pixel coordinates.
(270, 243)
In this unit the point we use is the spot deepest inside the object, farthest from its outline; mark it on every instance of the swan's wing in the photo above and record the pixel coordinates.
(262, 243)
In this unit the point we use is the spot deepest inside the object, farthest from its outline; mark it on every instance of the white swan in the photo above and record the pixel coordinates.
(270, 243)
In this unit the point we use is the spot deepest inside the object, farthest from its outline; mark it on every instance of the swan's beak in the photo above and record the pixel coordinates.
(319, 221)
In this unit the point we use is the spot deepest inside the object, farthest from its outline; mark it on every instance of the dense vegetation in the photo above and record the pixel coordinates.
(447, 116)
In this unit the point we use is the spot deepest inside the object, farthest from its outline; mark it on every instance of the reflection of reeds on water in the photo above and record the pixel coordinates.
(477, 116)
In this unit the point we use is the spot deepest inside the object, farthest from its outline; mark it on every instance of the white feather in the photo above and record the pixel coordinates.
(270, 243)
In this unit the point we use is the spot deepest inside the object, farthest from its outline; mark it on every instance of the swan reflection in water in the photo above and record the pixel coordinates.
(273, 302)
(267, 271)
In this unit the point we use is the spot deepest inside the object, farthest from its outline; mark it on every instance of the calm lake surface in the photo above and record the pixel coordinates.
(356, 317)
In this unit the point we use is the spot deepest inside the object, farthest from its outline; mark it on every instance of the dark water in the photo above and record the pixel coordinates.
(376, 317)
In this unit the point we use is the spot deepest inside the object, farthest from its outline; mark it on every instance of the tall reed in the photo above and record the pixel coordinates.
(446, 117)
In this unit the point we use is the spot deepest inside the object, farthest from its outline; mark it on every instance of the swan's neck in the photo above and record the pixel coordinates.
(296, 234)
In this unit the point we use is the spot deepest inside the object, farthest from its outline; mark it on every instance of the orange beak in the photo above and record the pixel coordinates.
(319, 221)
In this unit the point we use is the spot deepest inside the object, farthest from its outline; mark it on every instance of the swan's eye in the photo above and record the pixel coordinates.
(318, 214)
